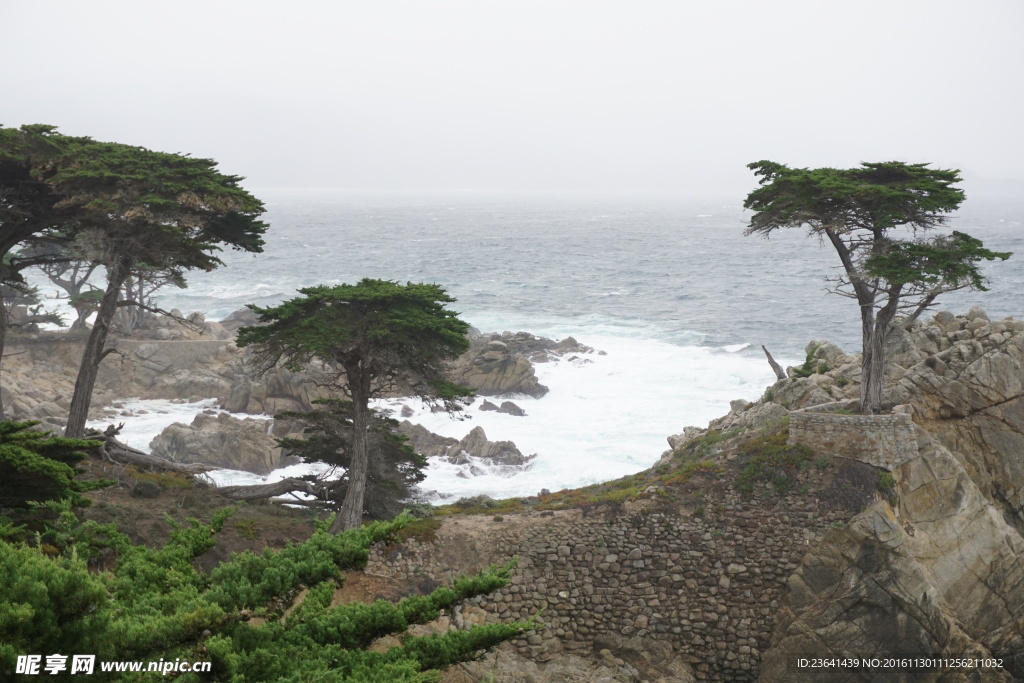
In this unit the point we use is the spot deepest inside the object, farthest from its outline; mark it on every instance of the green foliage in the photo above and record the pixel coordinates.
(382, 336)
(156, 604)
(423, 530)
(875, 196)
(37, 466)
(810, 366)
(703, 446)
(770, 458)
(394, 467)
(384, 328)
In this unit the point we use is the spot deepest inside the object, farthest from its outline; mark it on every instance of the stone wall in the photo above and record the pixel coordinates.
(886, 441)
(707, 586)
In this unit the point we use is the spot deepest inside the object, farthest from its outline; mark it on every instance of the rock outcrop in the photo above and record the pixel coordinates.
(221, 440)
(493, 370)
(474, 452)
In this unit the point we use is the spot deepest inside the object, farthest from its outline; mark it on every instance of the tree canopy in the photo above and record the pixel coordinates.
(380, 337)
(128, 208)
(858, 211)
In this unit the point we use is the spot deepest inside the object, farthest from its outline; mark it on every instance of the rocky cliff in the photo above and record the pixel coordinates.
(778, 534)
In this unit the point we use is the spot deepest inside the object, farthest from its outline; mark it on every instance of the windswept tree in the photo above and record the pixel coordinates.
(380, 337)
(129, 209)
(894, 276)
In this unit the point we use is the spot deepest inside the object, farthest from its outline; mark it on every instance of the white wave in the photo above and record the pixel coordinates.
(603, 419)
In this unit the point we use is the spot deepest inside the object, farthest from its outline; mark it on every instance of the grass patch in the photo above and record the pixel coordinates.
(423, 530)
(769, 458)
(248, 529)
(165, 480)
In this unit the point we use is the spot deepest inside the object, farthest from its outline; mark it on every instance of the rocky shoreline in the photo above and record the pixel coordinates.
(168, 360)
(897, 534)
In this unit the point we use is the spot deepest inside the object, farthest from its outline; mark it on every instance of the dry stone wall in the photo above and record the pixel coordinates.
(886, 441)
(708, 586)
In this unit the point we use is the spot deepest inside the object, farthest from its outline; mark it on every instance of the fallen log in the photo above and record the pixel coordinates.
(113, 450)
(279, 488)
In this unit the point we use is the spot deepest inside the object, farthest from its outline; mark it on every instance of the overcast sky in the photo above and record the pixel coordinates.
(655, 96)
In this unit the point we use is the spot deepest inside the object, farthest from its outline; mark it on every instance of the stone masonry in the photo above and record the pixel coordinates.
(886, 441)
(709, 586)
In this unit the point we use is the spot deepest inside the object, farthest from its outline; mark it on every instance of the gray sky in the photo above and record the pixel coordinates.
(552, 95)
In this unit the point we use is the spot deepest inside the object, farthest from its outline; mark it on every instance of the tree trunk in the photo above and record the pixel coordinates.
(872, 372)
(351, 515)
(3, 342)
(93, 354)
(779, 372)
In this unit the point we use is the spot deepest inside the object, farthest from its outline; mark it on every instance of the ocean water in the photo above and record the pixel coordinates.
(668, 287)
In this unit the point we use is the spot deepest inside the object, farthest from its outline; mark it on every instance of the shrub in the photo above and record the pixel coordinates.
(769, 458)
(156, 604)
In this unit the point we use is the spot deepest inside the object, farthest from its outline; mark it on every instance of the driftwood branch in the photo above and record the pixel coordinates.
(115, 451)
(779, 372)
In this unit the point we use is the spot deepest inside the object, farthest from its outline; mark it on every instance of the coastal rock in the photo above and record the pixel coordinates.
(511, 408)
(940, 574)
(751, 416)
(501, 454)
(243, 317)
(493, 370)
(533, 348)
(426, 442)
(221, 440)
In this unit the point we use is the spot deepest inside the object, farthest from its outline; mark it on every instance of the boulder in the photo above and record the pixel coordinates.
(426, 442)
(493, 370)
(220, 440)
(243, 317)
(511, 408)
(503, 455)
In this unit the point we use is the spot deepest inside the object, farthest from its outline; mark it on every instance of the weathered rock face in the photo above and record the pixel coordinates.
(425, 441)
(221, 440)
(493, 370)
(964, 376)
(941, 573)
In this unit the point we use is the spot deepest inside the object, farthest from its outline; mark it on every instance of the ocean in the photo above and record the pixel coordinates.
(669, 287)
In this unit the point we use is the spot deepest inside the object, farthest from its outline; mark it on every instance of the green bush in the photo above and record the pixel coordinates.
(770, 458)
(156, 604)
